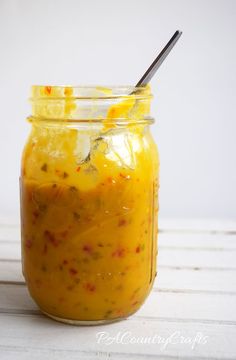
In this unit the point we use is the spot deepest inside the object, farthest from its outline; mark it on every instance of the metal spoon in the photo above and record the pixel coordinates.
(159, 60)
(151, 70)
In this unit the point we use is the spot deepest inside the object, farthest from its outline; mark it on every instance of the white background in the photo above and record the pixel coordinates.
(113, 42)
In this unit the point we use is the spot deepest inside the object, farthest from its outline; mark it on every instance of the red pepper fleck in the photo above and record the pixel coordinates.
(65, 262)
(68, 91)
(51, 238)
(64, 233)
(70, 287)
(122, 222)
(127, 177)
(78, 169)
(73, 271)
(87, 248)
(110, 179)
(28, 244)
(90, 287)
(138, 249)
(35, 214)
(30, 196)
(48, 90)
(119, 253)
(119, 312)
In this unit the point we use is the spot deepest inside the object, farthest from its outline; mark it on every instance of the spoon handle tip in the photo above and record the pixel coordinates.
(159, 59)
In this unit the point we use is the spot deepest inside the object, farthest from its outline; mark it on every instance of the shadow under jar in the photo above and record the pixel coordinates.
(89, 186)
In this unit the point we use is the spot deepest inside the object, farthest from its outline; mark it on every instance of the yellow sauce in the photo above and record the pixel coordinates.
(89, 228)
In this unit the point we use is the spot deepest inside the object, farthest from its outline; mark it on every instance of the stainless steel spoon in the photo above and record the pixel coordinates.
(151, 70)
(159, 60)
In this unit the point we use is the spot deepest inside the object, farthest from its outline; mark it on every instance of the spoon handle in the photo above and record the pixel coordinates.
(159, 59)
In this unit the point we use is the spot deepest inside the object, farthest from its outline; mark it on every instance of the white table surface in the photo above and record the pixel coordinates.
(190, 313)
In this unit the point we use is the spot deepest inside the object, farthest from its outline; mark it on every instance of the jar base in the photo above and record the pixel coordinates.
(82, 322)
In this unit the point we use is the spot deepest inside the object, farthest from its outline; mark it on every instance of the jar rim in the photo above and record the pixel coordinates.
(89, 92)
(119, 122)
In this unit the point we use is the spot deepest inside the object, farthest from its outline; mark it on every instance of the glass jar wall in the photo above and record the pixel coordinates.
(89, 186)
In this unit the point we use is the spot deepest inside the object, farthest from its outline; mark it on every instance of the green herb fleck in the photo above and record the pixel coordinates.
(76, 215)
(108, 313)
(120, 287)
(44, 167)
(96, 255)
(43, 268)
(73, 188)
(42, 207)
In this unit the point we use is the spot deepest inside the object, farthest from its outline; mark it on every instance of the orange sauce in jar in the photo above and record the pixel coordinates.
(89, 215)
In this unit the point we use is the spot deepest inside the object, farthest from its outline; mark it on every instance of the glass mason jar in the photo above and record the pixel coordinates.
(89, 186)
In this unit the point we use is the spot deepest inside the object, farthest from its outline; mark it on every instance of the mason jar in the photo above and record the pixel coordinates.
(89, 187)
